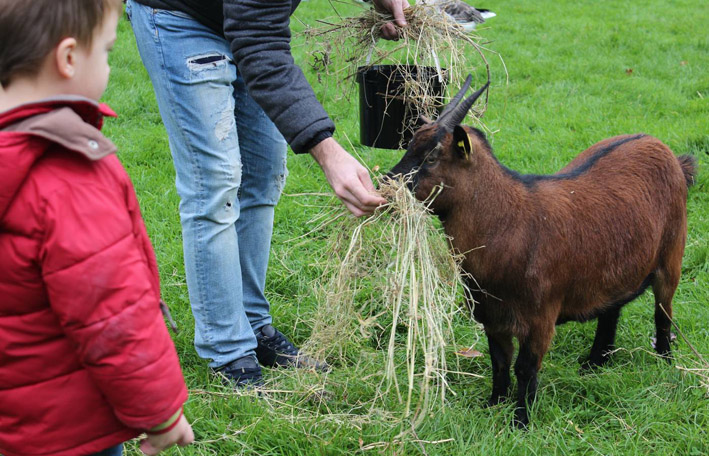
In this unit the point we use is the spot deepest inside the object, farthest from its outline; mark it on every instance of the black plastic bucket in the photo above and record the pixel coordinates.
(387, 119)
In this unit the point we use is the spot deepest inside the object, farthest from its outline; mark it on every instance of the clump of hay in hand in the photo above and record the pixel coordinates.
(431, 39)
(392, 284)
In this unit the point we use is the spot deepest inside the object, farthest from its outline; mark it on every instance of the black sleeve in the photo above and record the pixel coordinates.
(259, 33)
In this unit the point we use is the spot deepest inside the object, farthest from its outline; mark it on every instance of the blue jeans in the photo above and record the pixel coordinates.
(230, 164)
(113, 451)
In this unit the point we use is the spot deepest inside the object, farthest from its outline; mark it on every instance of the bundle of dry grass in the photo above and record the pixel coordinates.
(394, 284)
(430, 39)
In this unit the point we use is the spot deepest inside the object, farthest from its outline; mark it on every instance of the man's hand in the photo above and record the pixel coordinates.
(347, 177)
(181, 435)
(396, 8)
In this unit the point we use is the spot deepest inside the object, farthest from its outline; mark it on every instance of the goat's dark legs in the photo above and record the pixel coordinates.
(526, 372)
(604, 342)
(664, 288)
(501, 350)
(529, 360)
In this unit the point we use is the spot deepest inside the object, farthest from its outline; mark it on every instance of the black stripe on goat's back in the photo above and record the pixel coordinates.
(530, 180)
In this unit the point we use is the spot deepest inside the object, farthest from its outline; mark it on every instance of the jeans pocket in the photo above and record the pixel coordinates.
(202, 64)
(207, 60)
(175, 13)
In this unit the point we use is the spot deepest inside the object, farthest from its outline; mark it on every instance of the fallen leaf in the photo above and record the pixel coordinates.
(578, 429)
(468, 353)
(628, 71)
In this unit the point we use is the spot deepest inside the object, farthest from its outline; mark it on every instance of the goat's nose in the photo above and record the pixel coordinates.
(387, 179)
(390, 177)
(397, 179)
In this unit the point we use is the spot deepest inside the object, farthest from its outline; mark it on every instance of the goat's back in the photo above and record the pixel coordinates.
(606, 220)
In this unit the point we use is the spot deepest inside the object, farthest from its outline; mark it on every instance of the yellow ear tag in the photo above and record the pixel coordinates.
(467, 148)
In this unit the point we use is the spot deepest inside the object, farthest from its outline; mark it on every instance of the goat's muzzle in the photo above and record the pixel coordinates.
(409, 179)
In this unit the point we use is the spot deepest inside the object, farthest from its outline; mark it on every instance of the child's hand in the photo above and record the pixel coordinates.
(181, 434)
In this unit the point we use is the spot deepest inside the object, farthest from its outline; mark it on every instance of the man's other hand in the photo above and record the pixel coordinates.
(396, 8)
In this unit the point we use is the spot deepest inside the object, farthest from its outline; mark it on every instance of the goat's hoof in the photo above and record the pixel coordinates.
(521, 424)
(666, 355)
(493, 401)
(521, 420)
(588, 367)
(592, 364)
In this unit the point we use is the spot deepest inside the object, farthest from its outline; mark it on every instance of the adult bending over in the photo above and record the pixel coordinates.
(229, 92)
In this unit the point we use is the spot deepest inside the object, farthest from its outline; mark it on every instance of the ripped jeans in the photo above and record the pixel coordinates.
(230, 164)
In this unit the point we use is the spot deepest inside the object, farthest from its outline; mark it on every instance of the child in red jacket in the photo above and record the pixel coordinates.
(86, 361)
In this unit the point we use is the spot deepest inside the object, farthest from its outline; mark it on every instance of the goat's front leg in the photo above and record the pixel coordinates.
(501, 350)
(531, 351)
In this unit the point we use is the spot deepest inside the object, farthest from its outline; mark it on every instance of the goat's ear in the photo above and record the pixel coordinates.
(462, 142)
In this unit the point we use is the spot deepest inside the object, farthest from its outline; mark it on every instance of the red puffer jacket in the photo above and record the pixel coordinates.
(86, 361)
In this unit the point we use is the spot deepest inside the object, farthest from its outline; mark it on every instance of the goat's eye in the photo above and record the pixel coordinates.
(432, 157)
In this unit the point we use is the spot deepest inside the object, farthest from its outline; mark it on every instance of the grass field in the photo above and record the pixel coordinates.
(579, 72)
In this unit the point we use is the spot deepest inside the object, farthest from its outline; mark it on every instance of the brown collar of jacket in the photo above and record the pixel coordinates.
(66, 128)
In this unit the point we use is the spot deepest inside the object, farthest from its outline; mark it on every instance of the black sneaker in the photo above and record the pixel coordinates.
(242, 373)
(275, 350)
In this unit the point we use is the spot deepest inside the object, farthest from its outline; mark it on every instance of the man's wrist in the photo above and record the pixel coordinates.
(318, 139)
(322, 150)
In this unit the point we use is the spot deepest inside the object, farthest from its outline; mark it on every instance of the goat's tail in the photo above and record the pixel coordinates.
(689, 168)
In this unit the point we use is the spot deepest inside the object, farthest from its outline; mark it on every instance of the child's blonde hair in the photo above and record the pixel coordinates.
(30, 29)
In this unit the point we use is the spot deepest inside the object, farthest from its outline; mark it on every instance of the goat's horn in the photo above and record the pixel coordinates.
(455, 116)
(456, 99)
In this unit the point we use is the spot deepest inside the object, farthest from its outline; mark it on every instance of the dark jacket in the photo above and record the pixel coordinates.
(259, 34)
(85, 358)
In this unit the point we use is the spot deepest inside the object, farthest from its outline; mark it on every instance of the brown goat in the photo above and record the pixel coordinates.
(574, 245)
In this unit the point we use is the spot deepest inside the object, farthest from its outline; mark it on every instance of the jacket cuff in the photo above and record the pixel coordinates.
(317, 139)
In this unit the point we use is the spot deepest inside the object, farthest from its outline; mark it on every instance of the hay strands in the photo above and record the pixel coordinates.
(429, 37)
(406, 260)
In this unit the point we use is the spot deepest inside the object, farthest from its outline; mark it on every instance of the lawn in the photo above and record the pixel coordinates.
(577, 72)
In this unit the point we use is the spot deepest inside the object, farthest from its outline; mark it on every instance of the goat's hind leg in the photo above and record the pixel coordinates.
(664, 287)
(604, 342)
(501, 351)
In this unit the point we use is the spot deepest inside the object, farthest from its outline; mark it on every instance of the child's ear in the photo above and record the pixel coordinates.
(65, 57)
(462, 142)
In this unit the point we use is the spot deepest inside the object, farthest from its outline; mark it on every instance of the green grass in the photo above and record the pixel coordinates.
(570, 85)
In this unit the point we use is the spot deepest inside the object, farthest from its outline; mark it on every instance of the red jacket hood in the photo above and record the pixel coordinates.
(29, 130)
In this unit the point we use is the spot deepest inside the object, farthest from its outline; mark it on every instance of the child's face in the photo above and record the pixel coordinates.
(92, 70)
